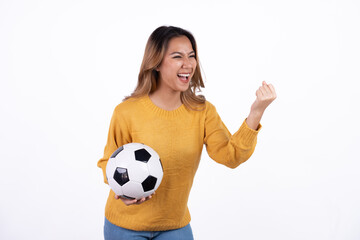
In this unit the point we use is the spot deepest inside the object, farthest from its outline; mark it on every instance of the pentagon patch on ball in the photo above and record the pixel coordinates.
(134, 171)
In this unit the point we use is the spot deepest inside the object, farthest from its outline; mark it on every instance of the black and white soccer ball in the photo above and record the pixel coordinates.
(134, 171)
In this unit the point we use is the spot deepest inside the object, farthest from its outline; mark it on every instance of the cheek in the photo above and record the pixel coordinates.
(170, 68)
(165, 70)
(194, 63)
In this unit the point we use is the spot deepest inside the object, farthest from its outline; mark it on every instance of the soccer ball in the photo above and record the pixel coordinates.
(134, 171)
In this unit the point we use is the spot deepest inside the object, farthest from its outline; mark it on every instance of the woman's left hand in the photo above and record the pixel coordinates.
(264, 96)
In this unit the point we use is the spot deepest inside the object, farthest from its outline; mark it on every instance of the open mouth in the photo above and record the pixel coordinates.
(184, 76)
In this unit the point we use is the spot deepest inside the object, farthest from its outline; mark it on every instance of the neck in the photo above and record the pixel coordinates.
(166, 101)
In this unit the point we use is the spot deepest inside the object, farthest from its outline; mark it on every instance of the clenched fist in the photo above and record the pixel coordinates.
(264, 96)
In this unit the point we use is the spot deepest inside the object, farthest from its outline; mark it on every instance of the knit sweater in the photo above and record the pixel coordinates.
(178, 137)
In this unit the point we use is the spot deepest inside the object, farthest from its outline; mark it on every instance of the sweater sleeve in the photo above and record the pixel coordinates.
(118, 135)
(223, 147)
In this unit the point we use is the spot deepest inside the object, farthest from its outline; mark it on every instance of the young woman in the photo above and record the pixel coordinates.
(165, 113)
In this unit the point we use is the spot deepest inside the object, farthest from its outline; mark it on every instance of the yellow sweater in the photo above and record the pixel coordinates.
(178, 137)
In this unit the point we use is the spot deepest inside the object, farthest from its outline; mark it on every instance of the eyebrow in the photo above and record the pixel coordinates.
(192, 52)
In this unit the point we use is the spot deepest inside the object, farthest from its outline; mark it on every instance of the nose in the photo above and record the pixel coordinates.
(186, 63)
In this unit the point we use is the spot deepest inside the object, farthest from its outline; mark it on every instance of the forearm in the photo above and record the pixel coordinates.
(232, 150)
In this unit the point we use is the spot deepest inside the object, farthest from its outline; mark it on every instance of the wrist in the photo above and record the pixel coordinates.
(256, 113)
(253, 119)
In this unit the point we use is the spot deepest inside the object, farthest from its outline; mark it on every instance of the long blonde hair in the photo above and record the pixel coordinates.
(154, 53)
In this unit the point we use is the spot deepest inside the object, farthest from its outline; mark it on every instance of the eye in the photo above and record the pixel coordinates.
(192, 56)
(177, 56)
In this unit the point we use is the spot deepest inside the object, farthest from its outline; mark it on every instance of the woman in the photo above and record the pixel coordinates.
(165, 113)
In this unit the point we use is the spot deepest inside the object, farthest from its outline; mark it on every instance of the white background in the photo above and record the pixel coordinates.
(65, 65)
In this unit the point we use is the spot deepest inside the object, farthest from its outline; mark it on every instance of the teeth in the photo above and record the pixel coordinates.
(184, 75)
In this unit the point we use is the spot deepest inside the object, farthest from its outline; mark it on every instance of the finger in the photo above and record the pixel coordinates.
(116, 196)
(140, 201)
(130, 201)
(126, 200)
(259, 93)
(272, 89)
(263, 91)
(266, 87)
(150, 196)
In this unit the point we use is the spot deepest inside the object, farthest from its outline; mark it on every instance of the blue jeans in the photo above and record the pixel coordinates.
(113, 232)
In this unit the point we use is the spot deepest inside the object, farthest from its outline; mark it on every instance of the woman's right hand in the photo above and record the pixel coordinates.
(129, 202)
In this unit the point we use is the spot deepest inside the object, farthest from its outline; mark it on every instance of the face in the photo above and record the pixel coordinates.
(178, 66)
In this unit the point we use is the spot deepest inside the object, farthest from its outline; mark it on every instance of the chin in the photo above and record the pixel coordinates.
(184, 89)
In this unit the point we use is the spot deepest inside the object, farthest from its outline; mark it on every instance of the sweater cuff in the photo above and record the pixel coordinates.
(247, 135)
(258, 128)
(103, 168)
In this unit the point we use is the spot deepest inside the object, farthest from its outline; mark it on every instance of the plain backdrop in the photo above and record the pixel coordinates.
(65, 65)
